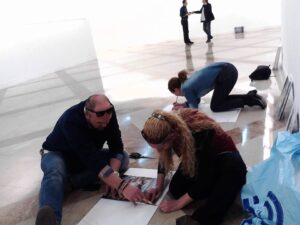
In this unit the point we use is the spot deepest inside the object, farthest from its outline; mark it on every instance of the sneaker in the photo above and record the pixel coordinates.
(186, 220)
(45, 216)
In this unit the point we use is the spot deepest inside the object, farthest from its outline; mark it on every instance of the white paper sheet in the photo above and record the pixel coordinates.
(138, 118)
(113, 212)
(140, 172)
(221, 117)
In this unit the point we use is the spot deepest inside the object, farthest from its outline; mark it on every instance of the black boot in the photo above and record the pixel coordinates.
(256, 100)
(45, 216)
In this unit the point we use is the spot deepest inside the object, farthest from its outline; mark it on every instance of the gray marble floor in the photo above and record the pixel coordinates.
(135, 80)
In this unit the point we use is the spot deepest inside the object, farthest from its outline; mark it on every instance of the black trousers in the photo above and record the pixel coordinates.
(185, 28)
(206, 29)
(218, 183)
(221, 100)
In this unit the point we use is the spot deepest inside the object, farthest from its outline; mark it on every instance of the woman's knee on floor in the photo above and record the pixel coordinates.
(216, 107)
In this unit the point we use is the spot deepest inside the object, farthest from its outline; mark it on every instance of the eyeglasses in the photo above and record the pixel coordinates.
(101, 113)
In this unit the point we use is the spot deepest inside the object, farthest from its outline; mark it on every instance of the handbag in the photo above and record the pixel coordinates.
(262, 72)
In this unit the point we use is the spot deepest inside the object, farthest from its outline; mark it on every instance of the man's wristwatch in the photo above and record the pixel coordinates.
(117, 173)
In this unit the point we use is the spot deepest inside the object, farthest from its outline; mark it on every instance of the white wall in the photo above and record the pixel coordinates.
(291, 43)
(34, 50)
(42, 36)
(118, 24)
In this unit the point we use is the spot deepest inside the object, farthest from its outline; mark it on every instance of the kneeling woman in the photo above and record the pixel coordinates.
(210, 166)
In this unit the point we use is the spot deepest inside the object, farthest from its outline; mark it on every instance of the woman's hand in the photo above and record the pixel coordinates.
(153, 193)
(177, 106)
(169, 206)
(133, 194)
(173, 205)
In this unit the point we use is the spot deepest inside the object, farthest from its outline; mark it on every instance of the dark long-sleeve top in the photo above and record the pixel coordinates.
(215, 142)
(79, 142)
(208, 14)
(208, 144)
(183, 13)
(200, 83)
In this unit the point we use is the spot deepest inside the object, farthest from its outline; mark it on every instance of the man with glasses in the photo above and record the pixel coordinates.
(73, 155)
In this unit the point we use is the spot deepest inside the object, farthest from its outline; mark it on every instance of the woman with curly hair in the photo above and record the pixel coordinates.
(210, 166)
(220, 77)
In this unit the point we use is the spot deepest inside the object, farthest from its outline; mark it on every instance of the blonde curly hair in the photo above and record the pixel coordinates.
(183, 123)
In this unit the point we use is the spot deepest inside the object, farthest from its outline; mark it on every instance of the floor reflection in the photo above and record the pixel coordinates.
(209, 53)
(189, 58)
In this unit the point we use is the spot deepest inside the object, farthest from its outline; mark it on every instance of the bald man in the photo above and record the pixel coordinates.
(73, 154)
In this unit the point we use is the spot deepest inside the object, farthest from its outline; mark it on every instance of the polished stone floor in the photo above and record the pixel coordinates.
(135, 80)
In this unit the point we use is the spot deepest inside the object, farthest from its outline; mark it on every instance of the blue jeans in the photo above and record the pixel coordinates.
(56, 176)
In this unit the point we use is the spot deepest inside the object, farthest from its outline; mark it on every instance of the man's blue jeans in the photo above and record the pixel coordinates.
(56, 176)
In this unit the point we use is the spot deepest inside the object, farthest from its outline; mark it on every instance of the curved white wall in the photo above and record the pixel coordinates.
(34, 50)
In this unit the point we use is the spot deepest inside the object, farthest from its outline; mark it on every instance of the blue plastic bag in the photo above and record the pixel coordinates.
(272, 191)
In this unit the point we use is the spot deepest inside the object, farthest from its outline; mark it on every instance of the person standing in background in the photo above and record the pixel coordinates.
(206, 17)
(184, 14)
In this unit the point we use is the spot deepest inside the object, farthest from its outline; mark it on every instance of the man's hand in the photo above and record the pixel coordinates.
(133, 194)
(115, 164)
(112, 192)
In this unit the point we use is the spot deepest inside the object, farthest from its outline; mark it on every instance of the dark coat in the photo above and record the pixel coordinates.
(209, 16)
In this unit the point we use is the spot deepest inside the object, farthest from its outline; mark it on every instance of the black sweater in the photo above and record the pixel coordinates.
(79, 142)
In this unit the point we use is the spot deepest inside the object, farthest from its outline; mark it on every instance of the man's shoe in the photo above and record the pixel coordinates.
(208, 40)
(45, 216)
(191, 42)
(186, 220)
(211, 37)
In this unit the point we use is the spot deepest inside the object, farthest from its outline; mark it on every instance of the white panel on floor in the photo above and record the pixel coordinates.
(220, 117)
(140, 172)
(114, 212)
